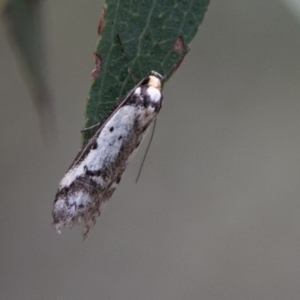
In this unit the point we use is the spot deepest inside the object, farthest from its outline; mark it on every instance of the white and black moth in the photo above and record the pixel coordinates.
(96, 172)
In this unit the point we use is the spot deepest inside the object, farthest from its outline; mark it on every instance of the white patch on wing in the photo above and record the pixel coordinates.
(71, 175)
(78, 198)
(99, 180)
(112, 137)
(137, 91)
(154, 94)
(60, 204)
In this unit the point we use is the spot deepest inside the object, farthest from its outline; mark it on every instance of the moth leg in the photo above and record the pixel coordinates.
(91, 127)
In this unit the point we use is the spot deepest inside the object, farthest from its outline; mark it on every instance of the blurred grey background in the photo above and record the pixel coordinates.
(216, 213)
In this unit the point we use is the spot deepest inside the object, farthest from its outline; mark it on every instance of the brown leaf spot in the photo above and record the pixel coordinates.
(178, 46)
(101, 22)
(98, 62)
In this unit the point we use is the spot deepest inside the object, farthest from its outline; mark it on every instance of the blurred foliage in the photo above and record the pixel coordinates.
(294, 6)
(23, 23)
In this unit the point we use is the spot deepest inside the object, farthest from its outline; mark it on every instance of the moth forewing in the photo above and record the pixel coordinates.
(92, 178)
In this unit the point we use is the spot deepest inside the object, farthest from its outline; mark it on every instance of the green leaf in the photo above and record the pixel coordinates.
(154, 34)
(22, 19)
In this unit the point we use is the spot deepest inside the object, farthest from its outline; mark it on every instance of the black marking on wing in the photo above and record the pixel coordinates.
(95, 145)
(138, 144)
(144, 99)
(62, 193)
(84, 184)
(92, 173)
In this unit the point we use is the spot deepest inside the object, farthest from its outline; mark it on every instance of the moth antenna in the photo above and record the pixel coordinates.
(89, 128)
(125, 57)
(145, 155)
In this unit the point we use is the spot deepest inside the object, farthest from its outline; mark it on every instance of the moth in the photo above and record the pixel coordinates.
(97, 170)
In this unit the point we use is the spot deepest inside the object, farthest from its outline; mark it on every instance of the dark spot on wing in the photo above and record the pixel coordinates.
(144, 129)
(81, 205)
(95, 146)
(120, 137)
(62, 193)
(73, 204)
(92, 173)
(111, 129)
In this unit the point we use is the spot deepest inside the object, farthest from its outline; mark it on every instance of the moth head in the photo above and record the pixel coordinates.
(155, 80)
